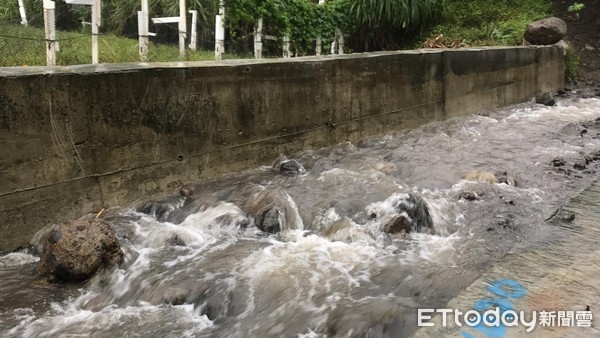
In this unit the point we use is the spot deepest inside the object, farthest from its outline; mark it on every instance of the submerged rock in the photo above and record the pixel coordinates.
(566, 216)
(468, 195)
(399, 223)
(580, 164)
(75, 251)
(546, 31)
(188, 190)
(559, 162)
(273, 210)
(288, 166)
(291, 167)
(162, 209)
(412, 215)
(545, 99)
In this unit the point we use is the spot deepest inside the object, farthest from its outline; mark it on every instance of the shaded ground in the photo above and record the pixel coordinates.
(583, 32)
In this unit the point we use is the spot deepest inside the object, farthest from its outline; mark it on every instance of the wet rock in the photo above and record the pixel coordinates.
(588, 159)
(565, 171)
(270, 220)
(187, 190)
(399, 223)
(75, 251)
(546, 31)
(291, 167)
(123, 228)
(468, 195)
(545, 99)
(566, 216)
(412, 215)
(580, 164)
(559, 162)
(273, 210)
(573, 129)
(595, 156)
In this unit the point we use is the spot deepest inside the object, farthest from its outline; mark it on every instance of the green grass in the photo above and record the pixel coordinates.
(489, 22)
(76, 48)
(572, 63)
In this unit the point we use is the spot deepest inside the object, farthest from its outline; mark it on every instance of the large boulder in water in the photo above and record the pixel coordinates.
(546, 31)
(412, 215)
(75, 251)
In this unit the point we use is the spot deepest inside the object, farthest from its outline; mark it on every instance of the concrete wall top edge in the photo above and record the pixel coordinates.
(7, 72)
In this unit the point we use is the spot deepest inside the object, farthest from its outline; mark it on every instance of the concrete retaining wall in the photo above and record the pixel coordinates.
(74, 139)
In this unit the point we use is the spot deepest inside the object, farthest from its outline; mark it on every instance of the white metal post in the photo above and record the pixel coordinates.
(318, 43)
(182, 28)
(49, 27)
(334, 43)
(286, 46)
(258, 39)
(219, 37)
(340, 39)
(23, 13)
(220, 31)
(318, 46)
(143, 30)
(194, 37)
(96, 20)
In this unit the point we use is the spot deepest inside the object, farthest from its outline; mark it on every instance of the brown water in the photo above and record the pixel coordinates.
(322, 279)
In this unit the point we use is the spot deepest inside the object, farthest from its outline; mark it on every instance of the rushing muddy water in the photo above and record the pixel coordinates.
(205, 270)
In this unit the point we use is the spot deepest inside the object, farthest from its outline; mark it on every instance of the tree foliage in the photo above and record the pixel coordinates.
(379, 22)
(302, 20)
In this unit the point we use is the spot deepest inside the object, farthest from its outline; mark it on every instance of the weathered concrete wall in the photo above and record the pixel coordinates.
(74, 139)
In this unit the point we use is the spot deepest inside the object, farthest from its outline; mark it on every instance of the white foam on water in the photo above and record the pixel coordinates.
(15, 259)
(299, 273)
(430, 248)
(142, 320)
(222, 217)
(566, 111)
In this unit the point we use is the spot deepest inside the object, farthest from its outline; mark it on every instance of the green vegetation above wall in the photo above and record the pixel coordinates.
(489, 22)
(367, 25)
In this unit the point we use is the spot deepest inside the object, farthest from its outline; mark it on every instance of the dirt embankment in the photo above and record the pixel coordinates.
(583, 32)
